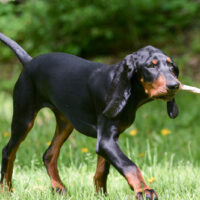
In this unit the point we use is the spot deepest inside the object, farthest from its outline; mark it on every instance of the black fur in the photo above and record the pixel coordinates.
(21, 54)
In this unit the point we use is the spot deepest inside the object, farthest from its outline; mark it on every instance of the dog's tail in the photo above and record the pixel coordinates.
(23, 56)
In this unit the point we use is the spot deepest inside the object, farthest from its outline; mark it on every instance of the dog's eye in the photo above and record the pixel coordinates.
(170, 64)
(175, 70)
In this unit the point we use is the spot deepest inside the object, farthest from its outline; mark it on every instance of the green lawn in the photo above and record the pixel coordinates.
(179, 182)
(169, 162)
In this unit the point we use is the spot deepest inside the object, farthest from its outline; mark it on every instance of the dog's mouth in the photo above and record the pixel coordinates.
(165, 96)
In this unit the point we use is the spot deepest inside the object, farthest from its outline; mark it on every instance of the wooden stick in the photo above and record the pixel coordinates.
(190, 89)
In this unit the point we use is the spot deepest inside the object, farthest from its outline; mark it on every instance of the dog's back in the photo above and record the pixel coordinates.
(62, 80)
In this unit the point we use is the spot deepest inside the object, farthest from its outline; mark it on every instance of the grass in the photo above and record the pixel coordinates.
(169, 162)
(171, 182)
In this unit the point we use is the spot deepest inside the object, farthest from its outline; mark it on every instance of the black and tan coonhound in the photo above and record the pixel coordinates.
(98, 100)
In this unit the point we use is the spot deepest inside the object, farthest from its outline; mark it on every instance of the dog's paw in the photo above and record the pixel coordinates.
(149, 195)
(5, 188)
(60, 190)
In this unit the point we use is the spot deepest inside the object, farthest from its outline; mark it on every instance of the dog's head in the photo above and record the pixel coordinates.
(155, 71)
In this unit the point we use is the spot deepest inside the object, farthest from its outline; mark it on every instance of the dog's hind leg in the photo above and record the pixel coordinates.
(24, 113)
(101, 174)
(50, 157)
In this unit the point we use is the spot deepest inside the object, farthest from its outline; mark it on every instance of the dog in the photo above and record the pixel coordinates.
(98, 100)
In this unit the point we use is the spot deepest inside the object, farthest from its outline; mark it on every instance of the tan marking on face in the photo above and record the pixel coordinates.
(154, 61)
(136, 181)
(155, 88)
(169, 60)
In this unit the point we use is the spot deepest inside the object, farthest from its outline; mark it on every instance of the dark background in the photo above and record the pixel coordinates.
(102, 30)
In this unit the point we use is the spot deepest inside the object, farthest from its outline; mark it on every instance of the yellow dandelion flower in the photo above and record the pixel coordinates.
(165, 131)
(141, 155)
(133, 132)
(6, 134)
(151, 180)
(48, 143)
(84, 150)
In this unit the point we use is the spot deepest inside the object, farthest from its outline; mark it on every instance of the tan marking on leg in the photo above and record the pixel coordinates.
(9, 170)
(53, 153)
(101, 174)
(11, 159)
(136, 181)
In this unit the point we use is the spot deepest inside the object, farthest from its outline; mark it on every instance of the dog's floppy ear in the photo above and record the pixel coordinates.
(172, 109)
(120, 89)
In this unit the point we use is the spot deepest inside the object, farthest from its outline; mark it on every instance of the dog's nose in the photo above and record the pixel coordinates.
(173, 85)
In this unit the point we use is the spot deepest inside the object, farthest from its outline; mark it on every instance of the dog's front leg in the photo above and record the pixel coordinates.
(107, 146)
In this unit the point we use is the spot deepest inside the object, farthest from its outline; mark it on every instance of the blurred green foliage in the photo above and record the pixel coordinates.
(91, 28)
(107, 27)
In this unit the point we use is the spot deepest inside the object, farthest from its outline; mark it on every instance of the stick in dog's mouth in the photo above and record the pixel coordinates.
(190, 89)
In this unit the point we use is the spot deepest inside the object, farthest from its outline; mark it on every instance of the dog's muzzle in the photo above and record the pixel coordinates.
(173, 86)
